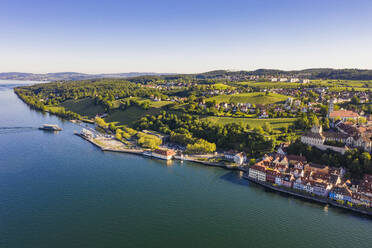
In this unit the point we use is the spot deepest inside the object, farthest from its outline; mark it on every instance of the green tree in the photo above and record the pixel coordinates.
(201, 146)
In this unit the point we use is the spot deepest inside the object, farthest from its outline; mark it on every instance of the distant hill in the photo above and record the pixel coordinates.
(70, 76)
(313, 73)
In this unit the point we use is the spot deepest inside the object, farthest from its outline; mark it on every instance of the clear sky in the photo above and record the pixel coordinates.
(183, 36)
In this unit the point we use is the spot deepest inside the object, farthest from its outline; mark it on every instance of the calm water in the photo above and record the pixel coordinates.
(57, 190)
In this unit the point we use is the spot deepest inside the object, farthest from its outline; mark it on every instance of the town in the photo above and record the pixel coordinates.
(298, 134)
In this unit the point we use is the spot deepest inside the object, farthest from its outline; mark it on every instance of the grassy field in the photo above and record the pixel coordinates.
(220, 86)
(253, 98)
(153, 104)
(85, 107)
(130, 115)
(275, 123)
(270, 84)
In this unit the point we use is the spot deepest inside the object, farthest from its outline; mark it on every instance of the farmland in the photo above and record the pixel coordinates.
(252, 122)
(85, 107)
(253, 98)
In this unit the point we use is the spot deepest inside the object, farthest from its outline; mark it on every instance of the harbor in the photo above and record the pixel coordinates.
(109, 143)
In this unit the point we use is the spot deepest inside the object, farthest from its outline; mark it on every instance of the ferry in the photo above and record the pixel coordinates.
(50, 127)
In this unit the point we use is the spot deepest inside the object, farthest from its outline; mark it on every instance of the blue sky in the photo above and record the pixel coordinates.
(183, 36)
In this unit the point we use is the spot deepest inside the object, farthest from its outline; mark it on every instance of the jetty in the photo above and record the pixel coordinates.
(107, 143)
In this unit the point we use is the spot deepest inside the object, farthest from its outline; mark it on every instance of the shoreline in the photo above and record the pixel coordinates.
(139, 152)
(310, 198)
(240, 168)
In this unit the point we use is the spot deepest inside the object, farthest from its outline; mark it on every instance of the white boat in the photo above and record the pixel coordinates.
(147, 153)
(50, 127)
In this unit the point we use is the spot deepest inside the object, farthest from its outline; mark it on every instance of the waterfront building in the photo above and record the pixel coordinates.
(287, 181)
(271, 175)
(365, 186)
(340, 193)
(299, 184)
(166, 154)
(321, 189)
(257, 172)
(361, 200)
(237, 158)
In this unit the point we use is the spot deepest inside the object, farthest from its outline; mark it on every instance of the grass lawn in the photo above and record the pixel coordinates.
(253, 98)
(275, 123)
(130, 115)
(85, 107)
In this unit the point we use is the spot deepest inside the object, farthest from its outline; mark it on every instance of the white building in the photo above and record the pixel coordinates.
(257, 172)
(294, 80)
(238, 158)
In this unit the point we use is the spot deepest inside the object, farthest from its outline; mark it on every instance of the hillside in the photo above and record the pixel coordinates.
(253, 98)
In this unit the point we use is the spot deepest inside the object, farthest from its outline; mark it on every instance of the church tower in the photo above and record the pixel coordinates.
(317, 129)
(331, 106)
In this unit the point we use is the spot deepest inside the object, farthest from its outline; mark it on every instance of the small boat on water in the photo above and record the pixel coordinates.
(50, 127)
(147, 153)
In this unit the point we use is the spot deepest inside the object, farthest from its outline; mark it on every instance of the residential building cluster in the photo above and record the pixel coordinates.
(290, 80)
(345, 134)
(294, 174)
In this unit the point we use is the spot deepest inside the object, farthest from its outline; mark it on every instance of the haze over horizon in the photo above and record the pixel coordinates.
(183, 37)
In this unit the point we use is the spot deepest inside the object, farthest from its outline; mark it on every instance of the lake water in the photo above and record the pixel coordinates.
(57, 190)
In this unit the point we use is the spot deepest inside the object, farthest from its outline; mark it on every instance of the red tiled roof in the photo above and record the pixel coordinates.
(343, 114)
(258, 167)
(165, 152)
(296, 158)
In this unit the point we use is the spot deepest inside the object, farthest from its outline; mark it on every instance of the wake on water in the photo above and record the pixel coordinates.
(5, 130)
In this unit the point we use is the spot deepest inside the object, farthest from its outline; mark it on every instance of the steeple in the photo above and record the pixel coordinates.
(317, 129)
(331, 106)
